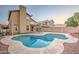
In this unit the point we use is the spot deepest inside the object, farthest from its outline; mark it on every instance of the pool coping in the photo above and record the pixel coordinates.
(56, 47)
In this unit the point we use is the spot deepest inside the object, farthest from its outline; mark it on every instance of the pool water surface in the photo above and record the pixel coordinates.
(34, 41)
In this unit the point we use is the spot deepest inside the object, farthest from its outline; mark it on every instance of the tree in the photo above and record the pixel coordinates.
(76, 17)
(71, 22)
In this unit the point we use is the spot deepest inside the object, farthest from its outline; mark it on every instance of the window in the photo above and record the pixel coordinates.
(15, 26)
(27, 27)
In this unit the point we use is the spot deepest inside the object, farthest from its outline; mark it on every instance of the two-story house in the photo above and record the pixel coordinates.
(20, 21)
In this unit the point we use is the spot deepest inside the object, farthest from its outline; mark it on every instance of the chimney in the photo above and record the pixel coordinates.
(22, 18)
(22, 7)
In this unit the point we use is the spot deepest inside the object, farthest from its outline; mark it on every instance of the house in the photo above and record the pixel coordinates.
(0, 27)
(20, 21)
(47, 23)
(44, 25)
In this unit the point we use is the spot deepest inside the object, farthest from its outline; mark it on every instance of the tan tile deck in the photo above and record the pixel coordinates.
(69, 48)
(3, 48)
(72, 48)
(19, 48)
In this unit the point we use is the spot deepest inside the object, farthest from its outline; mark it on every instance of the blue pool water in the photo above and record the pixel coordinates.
(38, 41)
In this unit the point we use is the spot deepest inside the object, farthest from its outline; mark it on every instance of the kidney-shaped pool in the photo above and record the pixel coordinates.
(35, 41)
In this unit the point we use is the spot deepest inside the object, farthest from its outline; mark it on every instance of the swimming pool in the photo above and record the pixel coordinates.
(35, 41)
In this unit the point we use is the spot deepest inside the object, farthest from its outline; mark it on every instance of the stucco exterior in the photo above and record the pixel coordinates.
(47, 23)
(20, 21)
(0, 28)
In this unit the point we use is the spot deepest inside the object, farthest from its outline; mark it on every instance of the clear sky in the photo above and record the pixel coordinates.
(59, 13)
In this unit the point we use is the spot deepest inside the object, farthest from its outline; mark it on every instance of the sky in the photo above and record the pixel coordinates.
(59, 13)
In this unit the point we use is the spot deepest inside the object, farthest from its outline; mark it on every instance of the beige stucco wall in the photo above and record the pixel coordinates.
(14, 22)
(23, 21)
(61, 29)
(0, 28)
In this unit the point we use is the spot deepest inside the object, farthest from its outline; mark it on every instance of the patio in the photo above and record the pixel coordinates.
(72, 48)
(69, 48)
(3, 47)
(18, 46)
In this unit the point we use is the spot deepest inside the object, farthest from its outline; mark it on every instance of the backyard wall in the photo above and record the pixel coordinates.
(61, 29)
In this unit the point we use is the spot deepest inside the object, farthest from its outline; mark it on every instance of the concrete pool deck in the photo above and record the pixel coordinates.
(72, 48)
(3, 47)
(56, 47)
